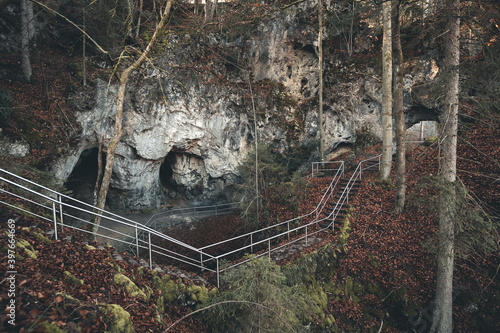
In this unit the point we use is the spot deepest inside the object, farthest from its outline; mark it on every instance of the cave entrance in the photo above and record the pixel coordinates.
(167, 181)
(422, 131)
(183, 176)
(81, 181)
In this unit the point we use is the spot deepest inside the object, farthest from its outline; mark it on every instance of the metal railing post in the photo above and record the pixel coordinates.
(306, 235)
(218, 274)
(60, 210)
(201, 260)
(54, 215)
(288, 230)
(136, 241)
(269, 245)
(150, 252)
(251, 243)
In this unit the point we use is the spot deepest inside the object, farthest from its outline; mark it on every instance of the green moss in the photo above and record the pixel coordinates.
(168, 288)
(73, 280)
(42, 237)
(353, 289)
(330, 323)
(376, 290)
(50, 327)
(430, 141)
(141, 271)
(26, 246)
(383, 183)
(160, 305)
(130, 286)
(89, 247)
(116, 266)
(149, 292)
(68, 298)
(116, 318)
(345, 230)
(373, 261)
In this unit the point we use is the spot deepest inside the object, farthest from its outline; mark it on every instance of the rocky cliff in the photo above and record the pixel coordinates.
(189, 114)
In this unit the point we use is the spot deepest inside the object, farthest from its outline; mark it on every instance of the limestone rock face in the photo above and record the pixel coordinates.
(187, 129)
(13, 148)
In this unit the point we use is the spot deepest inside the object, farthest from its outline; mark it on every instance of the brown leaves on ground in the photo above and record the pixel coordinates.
(44, 293)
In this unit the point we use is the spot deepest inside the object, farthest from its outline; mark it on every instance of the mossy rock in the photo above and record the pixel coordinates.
(374, 262)
(42, 237)
(72, 279)
(160, 305)
(116, 318)
(330, 323)
(149, 292)
(68, 298)
(27, 247)
(50, 327)
(169, 289)
(130, 286)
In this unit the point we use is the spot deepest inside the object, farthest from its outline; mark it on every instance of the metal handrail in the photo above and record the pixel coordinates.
(58, 214)
(333, 215)
(195, 209)
(330, 188)
(315, 166)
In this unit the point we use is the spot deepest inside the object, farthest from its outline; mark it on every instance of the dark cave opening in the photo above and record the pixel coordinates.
(166, 172)
(81, 182)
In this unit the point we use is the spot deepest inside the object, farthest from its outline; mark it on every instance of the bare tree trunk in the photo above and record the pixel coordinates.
(443, 315)
(257, 194)
(84, 67)
(213, 10)
(386, 92)
(196, 7)
(351, 31)
(208, 10)
(26, 31)
(320, 88)
(398, 110)
(138, 28)
(120, 98)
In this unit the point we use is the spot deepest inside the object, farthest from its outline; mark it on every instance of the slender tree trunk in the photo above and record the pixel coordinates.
(196, 7)
(84, 67)
(442, 316)
(213, 10)
(257, 193)
(386, 92)
(26, 31)
(208, 10)
(398, 110)
(351, 31)
(117, 133)
(138, 28)
(320, 73)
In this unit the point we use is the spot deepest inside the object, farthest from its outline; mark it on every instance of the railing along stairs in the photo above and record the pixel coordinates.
(66, 212)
